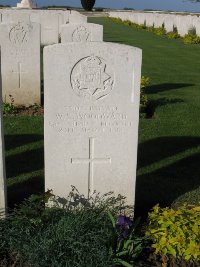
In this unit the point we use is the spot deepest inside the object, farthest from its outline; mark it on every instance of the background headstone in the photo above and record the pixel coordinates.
(184, 24)
(49, 28)
(169, 23)
(149, 19)
(3, 195)
(196, 24)
(158, 20)
(83, 32)
(92, 93)
(20, 49)
(14, 16)
(76, 17)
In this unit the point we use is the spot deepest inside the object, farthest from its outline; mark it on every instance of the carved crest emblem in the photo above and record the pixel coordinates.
(90, 78)
(81, 34)
(19, 34)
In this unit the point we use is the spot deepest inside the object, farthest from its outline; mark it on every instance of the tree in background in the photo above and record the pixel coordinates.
(88, 4)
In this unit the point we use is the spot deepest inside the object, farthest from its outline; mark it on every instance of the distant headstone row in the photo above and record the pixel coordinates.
(22, 32)
(91, 105)
(50, 21)
(183, 23)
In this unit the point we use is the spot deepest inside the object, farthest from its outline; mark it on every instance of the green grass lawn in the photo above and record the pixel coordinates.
(169, 144)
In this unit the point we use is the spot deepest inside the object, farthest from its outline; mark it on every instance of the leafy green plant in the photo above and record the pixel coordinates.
(117, 20)
(160, 31)
(8, 107)
(127, 22)
(126, 245)
(175, 232)
(173, 35)
(75, 231)
(191, 39)
(145, 81)
(150, 28)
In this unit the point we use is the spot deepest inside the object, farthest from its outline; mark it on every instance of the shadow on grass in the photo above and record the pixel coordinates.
(24, 167)
(18, 192)
(14, 141)
(151, 106)
(160, 148)
(166, 87)
(165, 184)
(165, 101)
(26, 162)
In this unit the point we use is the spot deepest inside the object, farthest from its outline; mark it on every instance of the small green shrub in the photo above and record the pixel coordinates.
(160, 31)
(175, 232)
(150, 28)
(117, 20)
(127, 23)
(191, 39)
(145, 81)
(9, 108)
(173, 35)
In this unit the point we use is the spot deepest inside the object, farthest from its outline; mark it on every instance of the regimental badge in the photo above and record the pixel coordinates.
(81, 34)
(90, 79)
(19, 34)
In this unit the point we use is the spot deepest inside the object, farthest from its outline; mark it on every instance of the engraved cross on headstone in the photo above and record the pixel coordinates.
(91, 161)
(19, 72)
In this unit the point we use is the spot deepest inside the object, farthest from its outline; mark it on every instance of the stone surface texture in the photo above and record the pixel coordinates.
(169, 23)
(76, 17)
(81, 32)
(20, 48)
(3, 195)
(92, 93)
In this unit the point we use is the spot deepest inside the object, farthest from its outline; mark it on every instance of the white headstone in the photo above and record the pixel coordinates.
(158, 20)
(92, 93)
(76, 17)
(20, 47)
(184, 24)
(14, 16)
(169, 23)
(141, 18)
(196, 24)
(3, 195)
(49, 28)
(83, 32)
(149, 19)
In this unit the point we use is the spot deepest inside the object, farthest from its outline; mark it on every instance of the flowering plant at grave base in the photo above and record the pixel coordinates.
(126, 247)
(8, 107)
